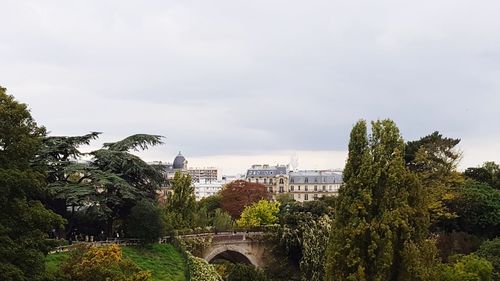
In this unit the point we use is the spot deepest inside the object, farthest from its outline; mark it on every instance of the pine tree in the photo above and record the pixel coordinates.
(380, 212)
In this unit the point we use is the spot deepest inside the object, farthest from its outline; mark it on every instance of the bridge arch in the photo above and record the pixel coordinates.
(233, 253)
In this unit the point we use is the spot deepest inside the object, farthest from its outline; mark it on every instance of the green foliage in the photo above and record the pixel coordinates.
(434, 159)
(488, 173)
(244, 272)
(466, 268)
(101, 263)
(182, 200)
(315, 234)
(478, 207)
(24, 221)
(263, 212)
(380, 209)
(210, 203)
(200, 270)
(490, 250)
(222, 220)
(106, 187)
(145, 222)
(196, 245)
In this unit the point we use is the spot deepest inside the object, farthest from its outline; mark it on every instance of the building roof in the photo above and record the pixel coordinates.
(179, 162)
(266, 171)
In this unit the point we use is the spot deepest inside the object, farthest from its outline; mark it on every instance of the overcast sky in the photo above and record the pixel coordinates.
(231, 83)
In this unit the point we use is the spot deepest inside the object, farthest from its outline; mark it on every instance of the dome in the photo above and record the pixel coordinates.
(179, 162)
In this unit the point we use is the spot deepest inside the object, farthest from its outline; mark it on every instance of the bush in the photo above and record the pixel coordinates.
(101, 263)
(490, 250)
(466, 268)
(243, 272)
(200, 270)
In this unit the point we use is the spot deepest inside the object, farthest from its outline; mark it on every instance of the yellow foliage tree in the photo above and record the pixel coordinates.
(102, 263)
(260, 213)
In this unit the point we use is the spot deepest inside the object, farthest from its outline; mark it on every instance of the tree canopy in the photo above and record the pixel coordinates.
(236, 195)
(24, 221)
(380, 211)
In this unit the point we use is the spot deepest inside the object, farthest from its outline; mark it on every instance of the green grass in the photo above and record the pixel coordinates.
(53, 261)
(163, 261)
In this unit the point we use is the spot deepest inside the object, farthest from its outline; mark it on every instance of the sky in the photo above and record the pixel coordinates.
(234, 83)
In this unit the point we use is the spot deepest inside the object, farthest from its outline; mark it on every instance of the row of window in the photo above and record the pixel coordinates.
(306, 188)
(306, 180)
(281, 181)
(306, 196)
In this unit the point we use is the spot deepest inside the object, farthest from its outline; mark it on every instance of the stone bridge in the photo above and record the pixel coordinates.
(236, 247)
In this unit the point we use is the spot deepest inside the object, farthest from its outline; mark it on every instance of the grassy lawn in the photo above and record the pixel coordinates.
(164, 261)
(52, 261)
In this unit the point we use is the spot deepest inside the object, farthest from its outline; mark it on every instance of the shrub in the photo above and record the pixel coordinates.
(101, 263)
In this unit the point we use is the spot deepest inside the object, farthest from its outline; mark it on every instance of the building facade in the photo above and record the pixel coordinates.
(275, 178)
(203, 174)
(308, 185)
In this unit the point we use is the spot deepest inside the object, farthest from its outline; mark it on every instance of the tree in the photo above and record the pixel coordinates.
(145, 222)
(106, 187)
(380, 213)
(222, 220)
(315, 235)
(478, 209)
(434, 159)
(260, 213)
(181, 203)
(101, 263)
(490, 250)
(488, 173)
(238, 194)
(466, 268)
(24, 222)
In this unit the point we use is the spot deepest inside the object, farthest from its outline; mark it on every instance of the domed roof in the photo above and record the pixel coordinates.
(179, 162)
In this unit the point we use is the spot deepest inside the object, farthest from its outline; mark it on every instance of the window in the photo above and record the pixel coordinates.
(315, 196)
(282, 181)
(270, 189)
(315, 188)
(306, 197)
(291, 188)
(298, 187)
(330, 187)
(257, 180)
(265, 181)
(306, 180)
(291, 180)
(298, 195)
(305, 188)
(281, 189)
(324, 188)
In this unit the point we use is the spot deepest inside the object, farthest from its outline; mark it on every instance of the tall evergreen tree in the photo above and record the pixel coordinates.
(24, 222)
(380, 213)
